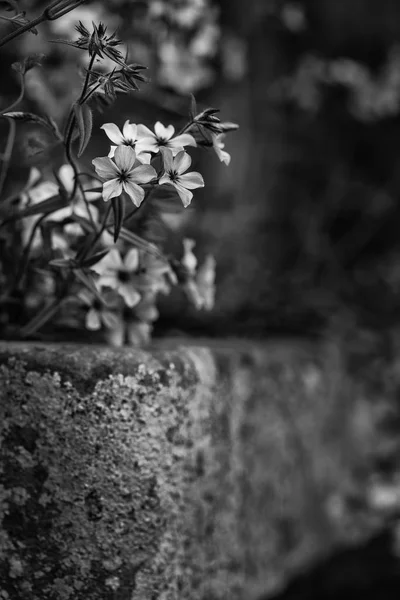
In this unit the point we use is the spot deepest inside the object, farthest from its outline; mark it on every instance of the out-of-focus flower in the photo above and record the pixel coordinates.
(46, 189)
(119, 274)
(99, 314)
(124, 174)
(205, 281)
(175, 174)
(219, 146)
(162, 138)
(138, 333)
(189, 261)
(155, 275)
(129, 136)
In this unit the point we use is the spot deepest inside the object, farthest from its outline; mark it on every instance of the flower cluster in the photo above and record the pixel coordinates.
(83, 249)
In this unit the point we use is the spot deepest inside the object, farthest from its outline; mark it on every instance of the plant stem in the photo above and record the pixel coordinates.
(7, 153)
(45, 16)
(18, 100)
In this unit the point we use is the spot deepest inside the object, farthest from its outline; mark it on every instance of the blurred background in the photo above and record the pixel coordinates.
(304, 222)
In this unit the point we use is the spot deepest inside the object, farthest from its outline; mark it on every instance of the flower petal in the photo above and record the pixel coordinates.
(129, 294)
(110, 319)
(191, 181)
(111, 189)
(112, 151)
(113, 133)
(131, 260)
(162, 132)
(144, 132)
(125, 157)
(92, 320)
(167, 159)
(182, 162)
(147, 144)
(144, 158)
(134, 191)
(105, 168)
(66, 175)
(184, 194)
(164, 179)
(143, 174)
(111, 263)
(185, 139)
(129, 131)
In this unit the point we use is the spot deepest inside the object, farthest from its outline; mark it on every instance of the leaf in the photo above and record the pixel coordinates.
(34, 60)
(139, 242)
(95, 258)
(62, 263)
(84, 121)
(45, 207)
(118, 205)
(87, 280)
(47, 313)
(193, 107)
(25, 117)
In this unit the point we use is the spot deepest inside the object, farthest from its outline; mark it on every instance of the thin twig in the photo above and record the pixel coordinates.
(7, 153)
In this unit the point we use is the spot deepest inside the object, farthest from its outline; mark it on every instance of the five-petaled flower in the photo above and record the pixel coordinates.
(99, 314)
(119, 274)
(123, 174)
(129, 136)
(175, 175)
(163, 138)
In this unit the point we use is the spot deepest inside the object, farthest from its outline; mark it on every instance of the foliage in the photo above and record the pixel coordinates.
(85, 248)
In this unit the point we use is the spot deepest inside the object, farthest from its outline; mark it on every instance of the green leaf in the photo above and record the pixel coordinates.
(63, 263)
(118, 205)
(84, 121)
(95, 258)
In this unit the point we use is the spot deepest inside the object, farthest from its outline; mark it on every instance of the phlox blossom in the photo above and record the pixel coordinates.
(123, 174)
(163, 138)
(175, 174)
(119, 274)
(130, 135)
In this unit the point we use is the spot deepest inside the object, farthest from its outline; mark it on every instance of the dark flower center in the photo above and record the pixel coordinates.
(174, 176)
(123, 176)
(123, 276)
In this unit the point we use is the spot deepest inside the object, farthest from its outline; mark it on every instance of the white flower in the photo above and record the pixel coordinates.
(129, 136)
(219, 146)
(175, 175)
(122, 175)
(163, 138)
(47, 189)
(118, 274)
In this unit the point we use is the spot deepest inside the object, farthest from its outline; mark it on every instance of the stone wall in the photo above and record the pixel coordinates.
(188, 473)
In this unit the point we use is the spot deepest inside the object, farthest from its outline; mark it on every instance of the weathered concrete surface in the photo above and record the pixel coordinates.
(185, 474)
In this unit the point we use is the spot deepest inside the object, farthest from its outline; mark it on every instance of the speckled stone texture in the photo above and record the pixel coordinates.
(183, 474)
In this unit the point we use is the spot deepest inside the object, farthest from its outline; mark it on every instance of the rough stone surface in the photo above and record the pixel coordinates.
(173, 474)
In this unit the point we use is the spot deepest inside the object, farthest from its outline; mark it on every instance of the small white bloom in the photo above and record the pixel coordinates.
(118, 274)
(175, 175)
(129, 136)
(123, 174)
(163, 138)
